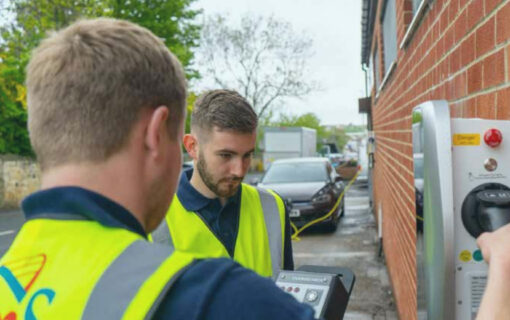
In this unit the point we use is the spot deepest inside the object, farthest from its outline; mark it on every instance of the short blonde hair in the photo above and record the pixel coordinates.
(88, 83)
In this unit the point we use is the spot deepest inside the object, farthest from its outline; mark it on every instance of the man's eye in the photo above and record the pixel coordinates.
(225, 155)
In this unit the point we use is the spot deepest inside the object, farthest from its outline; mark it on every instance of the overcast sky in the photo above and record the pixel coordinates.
(335, 26)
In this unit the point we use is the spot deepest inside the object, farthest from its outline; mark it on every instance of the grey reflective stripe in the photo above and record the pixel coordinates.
(119, 284)
(162, 235)
(274, 228)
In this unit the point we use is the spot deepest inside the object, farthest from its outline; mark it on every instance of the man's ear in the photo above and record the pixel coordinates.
(190, 143)
(157, 130)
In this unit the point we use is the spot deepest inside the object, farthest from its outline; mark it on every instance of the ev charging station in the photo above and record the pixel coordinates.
(466, 188)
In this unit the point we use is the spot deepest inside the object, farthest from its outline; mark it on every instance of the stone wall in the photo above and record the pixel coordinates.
(18, 178)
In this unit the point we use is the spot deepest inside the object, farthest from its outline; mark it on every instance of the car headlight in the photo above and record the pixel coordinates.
(321, 197)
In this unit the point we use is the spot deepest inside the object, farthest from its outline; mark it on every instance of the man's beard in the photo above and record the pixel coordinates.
(214, 186)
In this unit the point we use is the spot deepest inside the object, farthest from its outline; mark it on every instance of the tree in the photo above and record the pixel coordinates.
(172, 21)
(262, 58)
(24, 23)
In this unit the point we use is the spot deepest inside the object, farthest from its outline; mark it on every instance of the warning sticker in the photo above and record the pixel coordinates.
(478, 283)
(465, 256)
(466, 139)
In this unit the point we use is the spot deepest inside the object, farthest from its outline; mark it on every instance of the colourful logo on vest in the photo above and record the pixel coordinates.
(20, 275)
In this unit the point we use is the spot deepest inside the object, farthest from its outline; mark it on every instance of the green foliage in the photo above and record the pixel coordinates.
(354, 128)
(309, 120)
(13, 115)
(192, 97)
(172, 21)
(336, 135)
(29, 22)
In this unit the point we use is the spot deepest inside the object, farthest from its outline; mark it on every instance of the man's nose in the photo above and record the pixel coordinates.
(238, 168)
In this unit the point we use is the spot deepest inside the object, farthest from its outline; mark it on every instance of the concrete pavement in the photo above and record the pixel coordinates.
(354, 245)
(10, 223)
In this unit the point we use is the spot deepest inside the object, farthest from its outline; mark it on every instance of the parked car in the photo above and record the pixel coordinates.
(309, 186)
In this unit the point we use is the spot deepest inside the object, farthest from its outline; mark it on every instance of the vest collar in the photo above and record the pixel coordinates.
(85, 204)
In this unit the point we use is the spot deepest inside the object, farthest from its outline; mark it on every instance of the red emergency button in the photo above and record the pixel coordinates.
(493, 137)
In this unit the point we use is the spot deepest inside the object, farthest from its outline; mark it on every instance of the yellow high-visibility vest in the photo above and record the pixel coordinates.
(260, 238)
(80, 269)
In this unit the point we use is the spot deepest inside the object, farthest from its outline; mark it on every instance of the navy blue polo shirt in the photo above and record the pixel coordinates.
(223, 220)
(214, 289)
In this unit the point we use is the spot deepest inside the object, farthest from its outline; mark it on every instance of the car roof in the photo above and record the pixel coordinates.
(302, 160)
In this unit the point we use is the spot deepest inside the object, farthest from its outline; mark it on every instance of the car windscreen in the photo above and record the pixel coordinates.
(295, 172)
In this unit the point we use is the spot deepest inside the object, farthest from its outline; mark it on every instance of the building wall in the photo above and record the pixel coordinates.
(459, 52)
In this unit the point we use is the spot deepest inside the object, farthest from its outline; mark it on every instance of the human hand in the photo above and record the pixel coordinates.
(495, 247)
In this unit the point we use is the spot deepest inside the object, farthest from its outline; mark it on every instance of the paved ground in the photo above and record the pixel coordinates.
(10, 222)
(353, 245)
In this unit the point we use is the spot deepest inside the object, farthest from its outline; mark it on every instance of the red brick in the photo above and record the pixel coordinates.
(475, 13)
(456, 110)
(507, 67)
(460, 26)
(408, 17)
(462, 4)
(474, 78)
(503, 24)
(461, 85)
(490, 5)
(467, 50)
(503, 103)
(443, 21)
(453, 10)
(469, 108)
(445, 73)
(449, 39)
(485, 37)
(494, 69)
(408, 5)
(455, 62)
(486, 106)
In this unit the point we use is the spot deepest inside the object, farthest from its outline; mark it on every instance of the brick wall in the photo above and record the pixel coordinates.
(459, 52)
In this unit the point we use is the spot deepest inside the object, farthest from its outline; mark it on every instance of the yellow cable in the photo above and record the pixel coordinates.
(324, 217)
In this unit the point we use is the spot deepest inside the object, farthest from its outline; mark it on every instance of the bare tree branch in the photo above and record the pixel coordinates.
(262, 58)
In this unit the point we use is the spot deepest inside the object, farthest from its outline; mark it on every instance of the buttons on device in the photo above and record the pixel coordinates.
(311, 295)
(493, 137)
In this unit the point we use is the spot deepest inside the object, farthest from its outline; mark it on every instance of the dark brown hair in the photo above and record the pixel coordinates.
(224, 109)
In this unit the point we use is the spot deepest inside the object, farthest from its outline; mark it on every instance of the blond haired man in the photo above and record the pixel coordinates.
(106, 105)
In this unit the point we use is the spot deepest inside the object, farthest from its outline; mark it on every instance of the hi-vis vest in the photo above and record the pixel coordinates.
(80, 269)
(260, 238)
